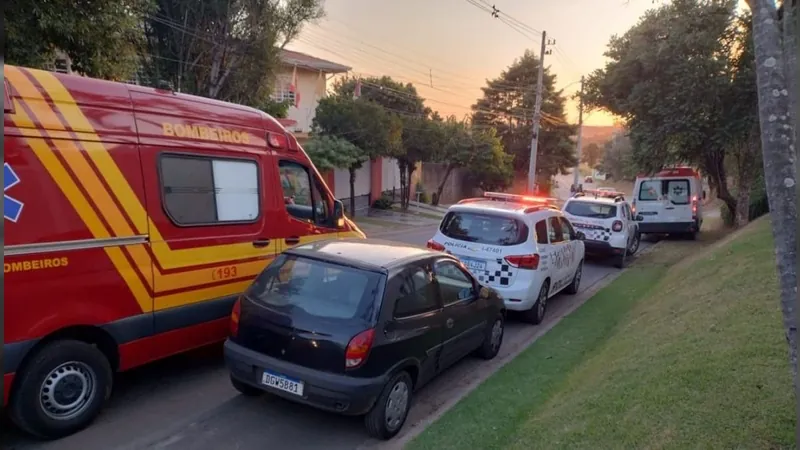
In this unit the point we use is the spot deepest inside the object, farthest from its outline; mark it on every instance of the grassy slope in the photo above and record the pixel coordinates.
(691, 356)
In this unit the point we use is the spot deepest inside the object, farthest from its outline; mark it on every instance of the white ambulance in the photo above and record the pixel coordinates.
(670, 202)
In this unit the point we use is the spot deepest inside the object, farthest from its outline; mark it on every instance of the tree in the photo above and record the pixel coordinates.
(670, 76)
(617, 160)
(223, 49)
(507, 105)
(417, 138)
(330, 152)
(591, 155)
(365, 125)
(773, 69)
(490, 167)
(456, 150)
(102, 38)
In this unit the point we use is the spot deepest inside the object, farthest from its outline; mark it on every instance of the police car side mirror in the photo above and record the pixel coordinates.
(338, 213)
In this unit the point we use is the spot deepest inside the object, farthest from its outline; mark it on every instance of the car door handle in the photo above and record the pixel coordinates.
(261, 243)
(449, 323)
(292, 240)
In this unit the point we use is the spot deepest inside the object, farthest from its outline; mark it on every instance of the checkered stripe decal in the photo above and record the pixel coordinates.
(594, 232)
(500, 275)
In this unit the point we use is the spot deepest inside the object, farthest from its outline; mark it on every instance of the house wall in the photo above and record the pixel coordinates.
(454, 189)
(311, 86)
(362, 187)
(390, 174)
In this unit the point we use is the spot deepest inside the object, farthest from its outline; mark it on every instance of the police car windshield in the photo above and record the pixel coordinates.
(484, 228)
(592, 210)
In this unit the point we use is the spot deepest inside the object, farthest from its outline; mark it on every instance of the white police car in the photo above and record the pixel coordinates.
(523, 247)
(608, 223)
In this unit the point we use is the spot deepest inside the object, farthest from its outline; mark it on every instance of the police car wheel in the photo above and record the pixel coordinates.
(61, 389)
(575, 285)
(535, 315)
(621, 260)
(634, 247)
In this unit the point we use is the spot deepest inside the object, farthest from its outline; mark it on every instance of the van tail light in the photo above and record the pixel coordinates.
(617, 226)
(633, 207)
(358, 349)
(433, 245)
(694, 205)
(236, 314)
(524, 261)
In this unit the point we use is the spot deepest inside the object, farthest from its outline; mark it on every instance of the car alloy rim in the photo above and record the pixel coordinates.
(396, 405)
(67, 390)
(497, 334)
(542, 301)
(635, 244)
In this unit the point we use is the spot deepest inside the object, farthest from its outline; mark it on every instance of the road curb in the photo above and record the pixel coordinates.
(408, 434)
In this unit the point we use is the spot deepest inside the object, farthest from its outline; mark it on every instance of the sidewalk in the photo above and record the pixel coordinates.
(379, 220)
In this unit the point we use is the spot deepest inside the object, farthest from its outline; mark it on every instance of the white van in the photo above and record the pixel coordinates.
(670, 202)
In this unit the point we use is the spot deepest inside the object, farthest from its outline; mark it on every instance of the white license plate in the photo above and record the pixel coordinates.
(281, 382)
(474, 264)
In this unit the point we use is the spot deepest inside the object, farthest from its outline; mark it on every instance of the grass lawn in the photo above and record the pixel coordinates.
(687, 355)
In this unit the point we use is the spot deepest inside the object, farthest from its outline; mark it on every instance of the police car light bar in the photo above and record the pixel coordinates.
(519, 198)
(607, 194)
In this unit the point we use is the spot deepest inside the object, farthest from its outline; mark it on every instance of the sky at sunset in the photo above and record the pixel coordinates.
(455, 46)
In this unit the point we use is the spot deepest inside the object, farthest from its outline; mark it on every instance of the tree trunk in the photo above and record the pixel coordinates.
(402, 166)
(352, 191)
(410, 167)
(440, 189)
(789, 22)
(780, 172)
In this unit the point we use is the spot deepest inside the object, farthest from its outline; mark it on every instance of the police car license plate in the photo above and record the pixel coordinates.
(281, 382)
(474, 264)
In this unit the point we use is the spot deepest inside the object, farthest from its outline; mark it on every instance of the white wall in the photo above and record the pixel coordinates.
(311, 87)
(391, 174)
(341, 178)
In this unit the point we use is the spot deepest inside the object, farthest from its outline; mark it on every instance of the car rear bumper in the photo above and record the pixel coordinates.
(331, 392)
(520, 298)
(602, 247)
(668, 227)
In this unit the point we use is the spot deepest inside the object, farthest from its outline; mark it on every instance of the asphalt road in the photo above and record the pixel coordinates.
(187, 401)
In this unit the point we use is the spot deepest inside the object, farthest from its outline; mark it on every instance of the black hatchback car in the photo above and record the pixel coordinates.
(355, 326)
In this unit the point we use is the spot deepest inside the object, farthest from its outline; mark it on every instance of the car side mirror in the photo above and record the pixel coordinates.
(483, 292)
(338, 213)
(579, 235)
(639, 217)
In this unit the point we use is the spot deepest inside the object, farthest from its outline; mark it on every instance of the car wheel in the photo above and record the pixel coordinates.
(245, 389)
(493, 339)
(535, 315)
(61, 390)
(621, 260)
(575, 285)
(634, 247)
(389, 413)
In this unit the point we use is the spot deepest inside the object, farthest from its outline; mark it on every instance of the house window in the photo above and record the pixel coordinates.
(283, 94)
(199, 190)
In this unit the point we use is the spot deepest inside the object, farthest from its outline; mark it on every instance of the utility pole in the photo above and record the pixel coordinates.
(580, 132)
(537, 111)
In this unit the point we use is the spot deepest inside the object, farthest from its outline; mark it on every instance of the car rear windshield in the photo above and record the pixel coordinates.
(593, 210)
(484, 228)
(676, 190)
(298, 285)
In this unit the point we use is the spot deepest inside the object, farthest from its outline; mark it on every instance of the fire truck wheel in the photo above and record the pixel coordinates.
(61, 389)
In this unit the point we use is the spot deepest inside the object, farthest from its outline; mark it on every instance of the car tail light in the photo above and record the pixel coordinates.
(694, 204)
(358, 349)
(524, 261)
(617, 226)
(236, 314)
(433, 245)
